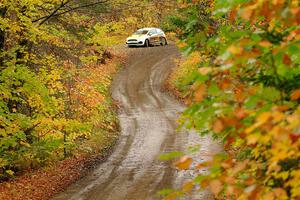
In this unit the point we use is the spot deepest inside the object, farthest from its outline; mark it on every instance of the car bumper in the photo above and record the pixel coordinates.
(135, 43)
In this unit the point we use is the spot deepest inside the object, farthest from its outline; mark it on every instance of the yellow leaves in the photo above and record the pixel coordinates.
(235, 50)
(282, 175)
(252, 139)
(194, 58)
(183, 163)
(294, 183)
(24, 144)
(9, 172)
(264, 117)
(282, 149)
(277, 116)
(295, 95)
(187, 187)
(261, 119)
(268, 196)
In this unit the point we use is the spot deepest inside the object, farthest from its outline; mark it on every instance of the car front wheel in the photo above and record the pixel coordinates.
(147, 44)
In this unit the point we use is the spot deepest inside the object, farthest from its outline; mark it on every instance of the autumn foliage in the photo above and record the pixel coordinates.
(244, 91)
(56, 68)
(53, 82)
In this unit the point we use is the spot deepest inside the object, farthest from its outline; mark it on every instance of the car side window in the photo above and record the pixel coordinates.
(152, 32)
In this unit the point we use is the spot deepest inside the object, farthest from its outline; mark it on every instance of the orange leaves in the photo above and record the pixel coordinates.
(187, 187)
(200, 93)
(246, 13)
(287, 60)
(204, 70)
(270, 10)
(265, 44)
(226, 165)
(232, 15)
(239, 166)
(218, 126)
(263, 117)
(216, 186)
(203, 165)
(239, 94)
(265, 10)
(240, 113)
(295, 95)
(183, 163)
(181, 45)
(225, 83)
(275, 194)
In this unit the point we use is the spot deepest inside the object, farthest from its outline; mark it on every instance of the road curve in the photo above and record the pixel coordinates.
(147, 117)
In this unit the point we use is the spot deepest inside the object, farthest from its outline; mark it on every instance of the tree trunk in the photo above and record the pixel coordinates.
(2, 34)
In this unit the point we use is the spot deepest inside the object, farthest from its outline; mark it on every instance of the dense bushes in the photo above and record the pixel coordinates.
(245, 91)
(53, 90)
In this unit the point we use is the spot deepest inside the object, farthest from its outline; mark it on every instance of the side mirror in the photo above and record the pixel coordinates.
(149, 34)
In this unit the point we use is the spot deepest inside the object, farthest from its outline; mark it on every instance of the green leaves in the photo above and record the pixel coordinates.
(171, 155)
(251, 98)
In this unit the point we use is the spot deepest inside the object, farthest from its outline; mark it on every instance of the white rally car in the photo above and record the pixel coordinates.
(147, 37)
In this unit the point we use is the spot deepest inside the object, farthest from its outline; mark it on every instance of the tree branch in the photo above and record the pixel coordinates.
(46, 18)
(56, 12)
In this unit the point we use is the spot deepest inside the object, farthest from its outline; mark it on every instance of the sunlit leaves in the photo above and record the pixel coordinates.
(53, 90)
(183, 163)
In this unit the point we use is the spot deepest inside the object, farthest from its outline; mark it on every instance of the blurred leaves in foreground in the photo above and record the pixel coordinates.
(241, 79)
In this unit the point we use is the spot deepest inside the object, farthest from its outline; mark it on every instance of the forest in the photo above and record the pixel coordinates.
(239, 77)
(53, 82)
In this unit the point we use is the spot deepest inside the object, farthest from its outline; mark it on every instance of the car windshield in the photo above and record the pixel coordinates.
(141, 32)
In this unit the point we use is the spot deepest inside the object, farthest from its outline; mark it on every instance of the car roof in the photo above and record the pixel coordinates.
(147, 28)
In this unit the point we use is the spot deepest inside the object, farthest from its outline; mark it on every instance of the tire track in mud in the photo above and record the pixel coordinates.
(147, 118)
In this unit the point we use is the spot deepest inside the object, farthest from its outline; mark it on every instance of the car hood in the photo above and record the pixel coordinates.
(135, 36)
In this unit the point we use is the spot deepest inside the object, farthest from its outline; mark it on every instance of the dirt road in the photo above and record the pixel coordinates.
(147, 118)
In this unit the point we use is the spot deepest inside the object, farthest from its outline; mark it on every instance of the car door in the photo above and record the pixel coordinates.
(153, 36)
(160, 35)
